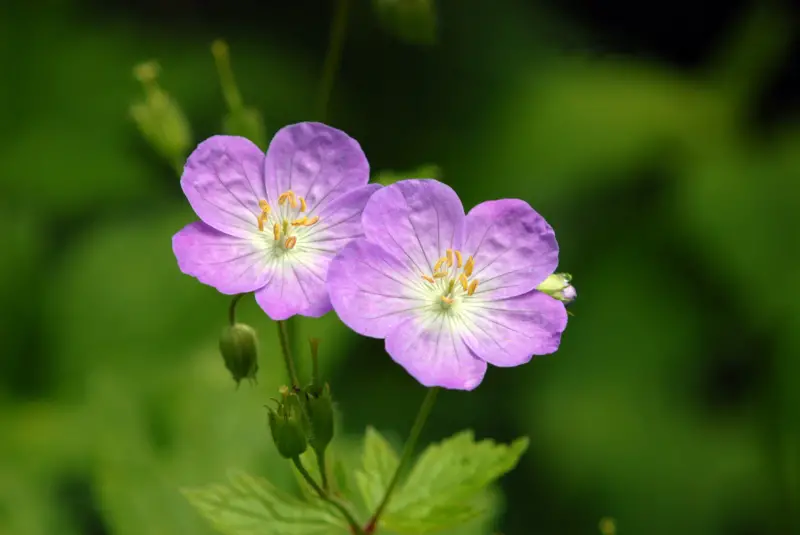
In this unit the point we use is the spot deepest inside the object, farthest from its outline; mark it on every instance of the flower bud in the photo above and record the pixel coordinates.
(288, 426)
(239, 348)
(558, 286)
(413, 21)
(320, 414)
(159, 118)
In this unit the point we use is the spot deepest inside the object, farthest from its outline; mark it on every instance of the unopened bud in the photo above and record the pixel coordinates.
(413, 21)
(288, 426)
(559, 286)
(608, 526)
(159, 118)
(320, 414)
(239, 347)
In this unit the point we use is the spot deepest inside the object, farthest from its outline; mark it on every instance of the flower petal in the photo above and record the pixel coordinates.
(513, 246)
(317, 162)
(340, 221)
(298, 287)
(431, 350)
(508, 332)
(371, 290)
(231, 265)
(223, 182)
(416, 220)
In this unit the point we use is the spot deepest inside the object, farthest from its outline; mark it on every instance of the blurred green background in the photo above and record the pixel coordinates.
(661, 140)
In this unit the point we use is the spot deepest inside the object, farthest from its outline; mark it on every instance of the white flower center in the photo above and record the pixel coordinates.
(451, 283)
(285, 221)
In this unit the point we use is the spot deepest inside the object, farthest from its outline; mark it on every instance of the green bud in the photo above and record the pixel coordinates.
(239, 348)
(559, 286)
(288, 426)
(320, 413)
(387, 178)
(160, 120)
(413, 21)
(247, 123)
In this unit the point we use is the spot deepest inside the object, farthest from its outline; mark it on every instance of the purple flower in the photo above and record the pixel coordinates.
(449, 292)
(271, 224)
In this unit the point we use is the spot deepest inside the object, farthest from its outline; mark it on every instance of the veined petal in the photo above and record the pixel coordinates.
(316, 162)
(429, 348)
(371, 290)
(513, 246)
(416, 220)
(509, 332)
(340, 221)
(298, 287)
(223, 181)
(231, 265)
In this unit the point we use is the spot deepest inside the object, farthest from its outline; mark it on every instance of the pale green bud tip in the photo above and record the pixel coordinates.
(559, 286)
(608, 526)
(219, 48)
(238, 345)
(146, 72)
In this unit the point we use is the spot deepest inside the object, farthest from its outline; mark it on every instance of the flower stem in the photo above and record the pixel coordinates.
(334, 55)
(323, 469)
(232, 308)
(408, 450)
(354, 526)
(226, 79)
(287, 353)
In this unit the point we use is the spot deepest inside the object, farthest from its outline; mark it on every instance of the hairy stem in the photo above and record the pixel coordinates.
(354, 525)
(334, 55)
(287, 354)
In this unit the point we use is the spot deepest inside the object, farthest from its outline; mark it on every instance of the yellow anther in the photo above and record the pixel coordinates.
(469, 266)
(292, 199)
(429, 279)
(303, 205)
(299, 222)
(312, 221)
(264, 206)
(276, 231)
(439, 274)
(447, 300)
(290, 242)
(261, 219)
(463, 280)
(459, 258)
(282, 197)
(449, 258)
(439, 263)
(472, 287)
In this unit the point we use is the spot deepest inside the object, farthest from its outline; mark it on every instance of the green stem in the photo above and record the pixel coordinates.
(334, 55)
(287, 354)
(354, 525)
(408, 451)
(226, 79)
(232, 308)
(323, 469)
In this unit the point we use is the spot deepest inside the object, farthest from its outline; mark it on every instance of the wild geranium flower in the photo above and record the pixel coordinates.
(449, 292)
(272, 223)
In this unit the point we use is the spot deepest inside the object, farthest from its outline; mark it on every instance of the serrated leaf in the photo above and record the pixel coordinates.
(378, 462)
(253, 506)
(446, 486)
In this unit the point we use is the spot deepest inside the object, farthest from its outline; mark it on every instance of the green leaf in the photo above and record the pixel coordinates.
(249, 506)
(446, 487)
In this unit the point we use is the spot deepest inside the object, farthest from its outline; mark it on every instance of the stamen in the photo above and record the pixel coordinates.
(276, 231)
(463, 280)
(451, 285)
(286, 225)
(472, 287)
(292, 199)
(459, 259)
(299, 222)
(282, 198)
(311, 221)
(469, 266)
(447, 300)
(439, 274)
(439, 263)
(264, 206)
(303, 205)
(429, 279)
(290, 242)
(449, 254)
